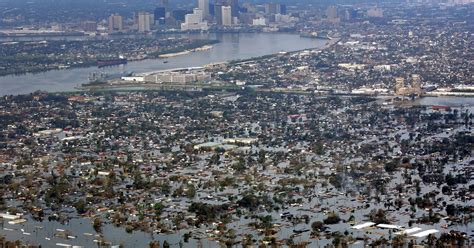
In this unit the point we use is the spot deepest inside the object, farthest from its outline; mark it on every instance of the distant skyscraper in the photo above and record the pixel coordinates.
(204, 6)
(218, 13)
(194, 21)
(234, 4)
(164, 3)
(283, 9)
(160, 15)
(179, 14)
(270, 8)
(275, 8)
(331, 12)
(115, 23)
(350, 14)
(226, 15)
(144, 23)
(89, 26)
(211, 9)
(375, 12)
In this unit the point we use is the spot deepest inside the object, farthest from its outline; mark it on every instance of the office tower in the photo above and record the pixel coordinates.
(270, 8)
(164, 3)
(115, 23)
(283, 9)
(350, 14)
(89, 26)
(194, 21)
(211, 9)
(226, 15)
(144, 22)
(247, 18)
(234, 4)
(180, 14)
(275, 8)
(160, 15)
(375, 12)
(218, 13)
(204, 6)
(331, 12)
(250, 8)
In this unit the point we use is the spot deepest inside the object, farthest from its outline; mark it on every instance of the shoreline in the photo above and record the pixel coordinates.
(151, 56)
(42, 75)
(185, 52)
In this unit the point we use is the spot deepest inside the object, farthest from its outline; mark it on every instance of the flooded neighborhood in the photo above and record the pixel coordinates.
(223, 124)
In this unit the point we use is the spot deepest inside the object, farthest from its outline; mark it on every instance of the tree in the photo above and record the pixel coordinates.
(332, 218)
(191, 193)
(81, 206)
(154, 244)
(317, 226)
(378, 216)
(158, 208)
(97, 224)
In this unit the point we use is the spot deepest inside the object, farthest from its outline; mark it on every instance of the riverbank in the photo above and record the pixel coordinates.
(70, 55)
(170, 55)
(230, 47)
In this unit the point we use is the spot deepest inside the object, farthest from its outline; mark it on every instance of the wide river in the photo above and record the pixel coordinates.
(231, 47)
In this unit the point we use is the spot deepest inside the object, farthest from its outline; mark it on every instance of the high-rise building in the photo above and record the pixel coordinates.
(283, 9)
(218, 13)
(246, 18)
(144, 22)
(270, 8)
(164, 3)
(234, 4)
(331, 12)
(350, 14)
(249, 8)
(211, 9)
(160, 15)
(115, 23)
(89, 26)
(194, 21)
(204, 6)
(375, 12)
(226, 15)
(275, 8)
(180, 14)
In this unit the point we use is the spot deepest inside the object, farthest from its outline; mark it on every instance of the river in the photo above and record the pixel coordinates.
(231, 47)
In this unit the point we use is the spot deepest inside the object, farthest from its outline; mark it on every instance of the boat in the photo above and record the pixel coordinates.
(165, 62)
(111, 62)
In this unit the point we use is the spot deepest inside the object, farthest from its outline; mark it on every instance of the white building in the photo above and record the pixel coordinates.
(279, 18)
(144, 23)
(115, 23)
(226, 15)
(194, 21)
(259, 22)
(204, 6)
(178, 77)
